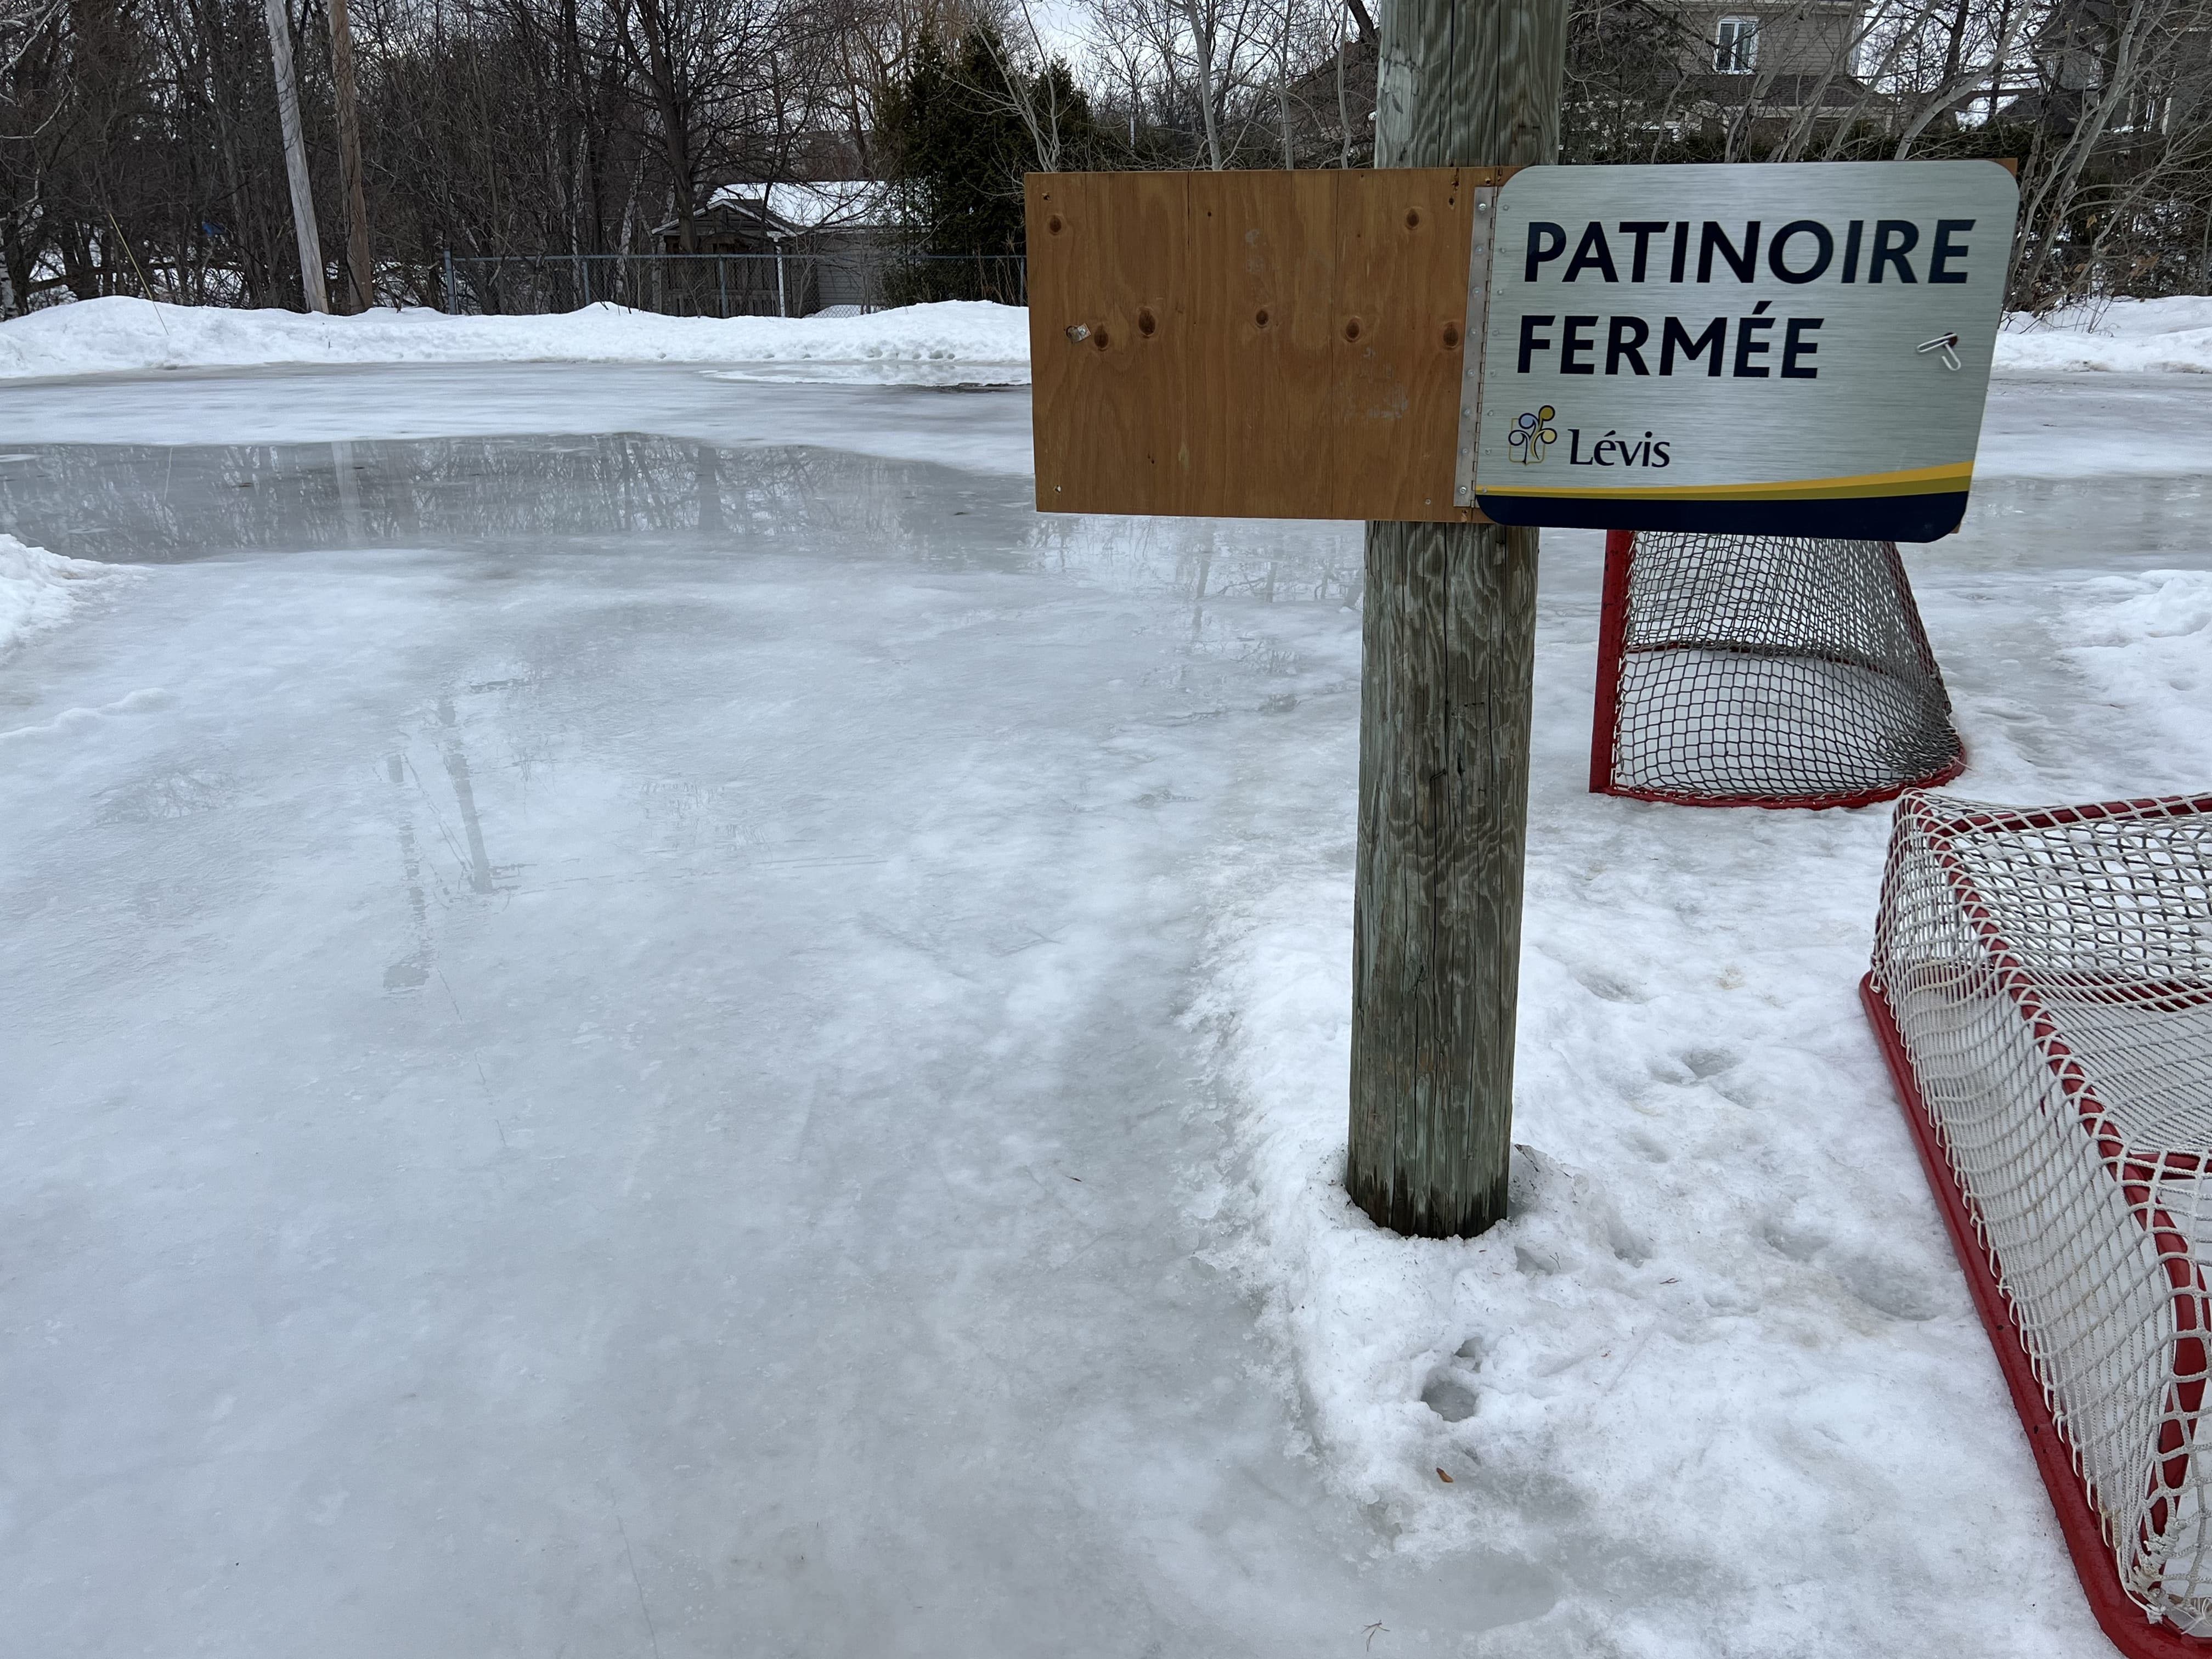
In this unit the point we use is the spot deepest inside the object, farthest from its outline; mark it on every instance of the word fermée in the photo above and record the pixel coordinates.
(1802, 250)
(1634, 344)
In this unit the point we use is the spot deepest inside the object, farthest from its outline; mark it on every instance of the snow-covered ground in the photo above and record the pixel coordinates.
(915, 344)
(919, 343)
(2122, 335)
(1720, 1359)
(643, 1016)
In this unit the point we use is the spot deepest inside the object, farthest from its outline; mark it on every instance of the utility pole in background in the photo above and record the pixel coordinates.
(1448, 638)
(349, 111)
(296, 155)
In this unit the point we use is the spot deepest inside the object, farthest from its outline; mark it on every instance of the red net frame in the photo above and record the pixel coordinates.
(2040, 989)
(1765, 670)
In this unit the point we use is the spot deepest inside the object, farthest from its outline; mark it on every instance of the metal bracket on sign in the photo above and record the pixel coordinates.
(1472, 341)
(1946, 344)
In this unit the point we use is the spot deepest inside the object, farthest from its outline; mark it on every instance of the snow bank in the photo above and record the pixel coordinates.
(99, 337)
(938, 343)
(2171, 335)
(38, 589)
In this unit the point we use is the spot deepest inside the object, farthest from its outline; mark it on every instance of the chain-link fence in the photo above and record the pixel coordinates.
(792, 283)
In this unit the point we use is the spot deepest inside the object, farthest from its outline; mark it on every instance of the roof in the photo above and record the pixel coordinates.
(825, 204)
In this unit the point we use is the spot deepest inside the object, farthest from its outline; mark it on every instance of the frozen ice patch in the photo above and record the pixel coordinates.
(2145, 642)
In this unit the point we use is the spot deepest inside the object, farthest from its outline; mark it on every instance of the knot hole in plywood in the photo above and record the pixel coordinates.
(1145, 323)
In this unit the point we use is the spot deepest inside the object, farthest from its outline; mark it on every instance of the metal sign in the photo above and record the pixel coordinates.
(1796, 350)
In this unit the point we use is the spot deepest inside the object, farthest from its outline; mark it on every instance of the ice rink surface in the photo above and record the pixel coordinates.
(643, 1016)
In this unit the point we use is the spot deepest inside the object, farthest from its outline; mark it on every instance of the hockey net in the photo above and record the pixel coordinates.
(2042, 982)
(1767, 671)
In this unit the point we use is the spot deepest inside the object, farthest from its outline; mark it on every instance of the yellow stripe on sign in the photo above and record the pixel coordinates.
(1913, 481)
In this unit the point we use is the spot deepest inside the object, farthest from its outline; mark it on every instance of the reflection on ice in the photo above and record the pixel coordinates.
(148, 504)
(409, 973)
(618, 496)
(142, 503)
(449, 805)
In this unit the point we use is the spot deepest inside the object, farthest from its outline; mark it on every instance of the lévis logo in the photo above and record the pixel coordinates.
(1531, 435)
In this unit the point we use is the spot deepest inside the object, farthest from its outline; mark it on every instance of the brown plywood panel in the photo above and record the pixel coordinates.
(1106, 349)
(1249, 344)
(1259, 264)
(1402, 237)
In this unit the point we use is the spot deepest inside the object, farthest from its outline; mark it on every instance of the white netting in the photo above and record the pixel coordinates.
(2050, 972)
(1785, 671)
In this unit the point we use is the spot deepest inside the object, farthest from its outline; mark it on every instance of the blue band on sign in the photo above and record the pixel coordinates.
(1878, 519)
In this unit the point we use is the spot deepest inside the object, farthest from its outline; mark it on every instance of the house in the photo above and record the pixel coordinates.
(1778, 60)
(1674, 66)
(2078, 47)
(813, 246)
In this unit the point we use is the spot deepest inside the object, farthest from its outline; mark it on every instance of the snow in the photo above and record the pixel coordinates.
(110, 336)
(1720, 1344)
(829, 203)
(2171, 335)
(38, 590)
(1718, 1357)
(950, 341)
(686, 1028)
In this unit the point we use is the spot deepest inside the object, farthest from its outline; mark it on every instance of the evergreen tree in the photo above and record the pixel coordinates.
(958, 145)
(959, 135)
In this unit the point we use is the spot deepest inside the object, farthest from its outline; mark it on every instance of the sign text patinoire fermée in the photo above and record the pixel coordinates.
(1799, 349)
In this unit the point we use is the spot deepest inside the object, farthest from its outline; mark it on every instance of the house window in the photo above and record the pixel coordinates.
(1735, 46)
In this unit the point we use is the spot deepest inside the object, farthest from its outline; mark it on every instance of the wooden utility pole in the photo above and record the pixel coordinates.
(356, 207)
(1450, 639)
(296, 155)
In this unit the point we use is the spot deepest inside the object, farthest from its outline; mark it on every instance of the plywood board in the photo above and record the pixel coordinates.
(1280, 344)
(1107, 354)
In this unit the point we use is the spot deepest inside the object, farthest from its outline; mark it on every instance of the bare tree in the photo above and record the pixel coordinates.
(140, 150)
